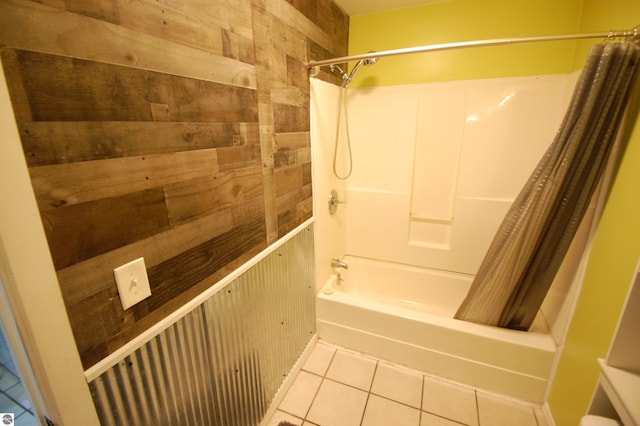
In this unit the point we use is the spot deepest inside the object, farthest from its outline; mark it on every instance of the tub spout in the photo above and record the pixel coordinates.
(337, 263)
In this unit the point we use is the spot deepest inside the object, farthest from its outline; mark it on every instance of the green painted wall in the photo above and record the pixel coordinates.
(464, 20)
(606, 15)
(615, 252)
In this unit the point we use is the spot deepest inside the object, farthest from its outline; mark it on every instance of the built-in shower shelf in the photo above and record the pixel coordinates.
(622, 387)
(616, 395)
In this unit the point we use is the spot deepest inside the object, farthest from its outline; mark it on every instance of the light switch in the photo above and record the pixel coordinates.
(133, 283)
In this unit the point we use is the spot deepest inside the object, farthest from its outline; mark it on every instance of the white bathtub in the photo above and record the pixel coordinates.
(405, 314)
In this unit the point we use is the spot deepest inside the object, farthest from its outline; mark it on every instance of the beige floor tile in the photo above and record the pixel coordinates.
(300, 395)
(398, 384)
(320, 358)
(397, 393)
(352, 369)
(450, 401)
(496, 411)
(280, 416)
(337, 405)
(384, 412)
(429, 419)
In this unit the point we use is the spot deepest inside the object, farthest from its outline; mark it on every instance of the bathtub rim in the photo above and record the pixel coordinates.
(533, 339)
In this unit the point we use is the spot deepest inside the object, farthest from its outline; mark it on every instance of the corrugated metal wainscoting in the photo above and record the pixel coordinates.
(223, 362)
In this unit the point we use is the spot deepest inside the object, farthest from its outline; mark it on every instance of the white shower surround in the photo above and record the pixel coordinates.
(479, 140)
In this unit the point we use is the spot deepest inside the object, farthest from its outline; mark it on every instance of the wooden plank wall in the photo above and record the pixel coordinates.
(177, 131)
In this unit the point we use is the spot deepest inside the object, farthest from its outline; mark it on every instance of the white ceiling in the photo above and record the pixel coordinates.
(363, 7)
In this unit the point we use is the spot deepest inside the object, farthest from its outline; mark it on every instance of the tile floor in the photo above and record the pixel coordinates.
(338, 387)
(13, 396)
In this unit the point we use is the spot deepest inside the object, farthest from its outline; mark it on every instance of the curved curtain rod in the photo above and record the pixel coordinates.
(633, 33)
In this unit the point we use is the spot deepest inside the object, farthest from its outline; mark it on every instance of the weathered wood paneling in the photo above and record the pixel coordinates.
(98, 140)
(74, 35)
(104, 92)
(73, 183)
(291, 118)
(115, 222)
(105, 10)
(177, 131)
(201, 196)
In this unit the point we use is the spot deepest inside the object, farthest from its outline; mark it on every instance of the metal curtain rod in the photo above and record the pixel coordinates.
(635, 33)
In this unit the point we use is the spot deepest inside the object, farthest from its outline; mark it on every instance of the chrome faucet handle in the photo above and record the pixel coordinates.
(334, 201)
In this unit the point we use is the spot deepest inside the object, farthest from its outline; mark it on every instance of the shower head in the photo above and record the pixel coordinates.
(347, 79)
(343, 74)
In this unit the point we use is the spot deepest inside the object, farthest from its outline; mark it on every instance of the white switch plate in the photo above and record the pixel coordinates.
(133, 283)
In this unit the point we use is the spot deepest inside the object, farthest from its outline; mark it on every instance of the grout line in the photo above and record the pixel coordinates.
(423, 410)
(393, 400)
(373, 377)
(366, 402)
(18, 403)
(18, 383)
(475, 394)
(421, 399)
(422, 407)
(315, 395)
(355, 387)
(287, 412)
(10, 372)
(323, 378)
(446, 418)
(16, 408)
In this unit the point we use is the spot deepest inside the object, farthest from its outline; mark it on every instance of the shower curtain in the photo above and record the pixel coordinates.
(534, 236)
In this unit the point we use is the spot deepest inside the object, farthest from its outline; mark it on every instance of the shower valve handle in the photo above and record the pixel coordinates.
(334, 201)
